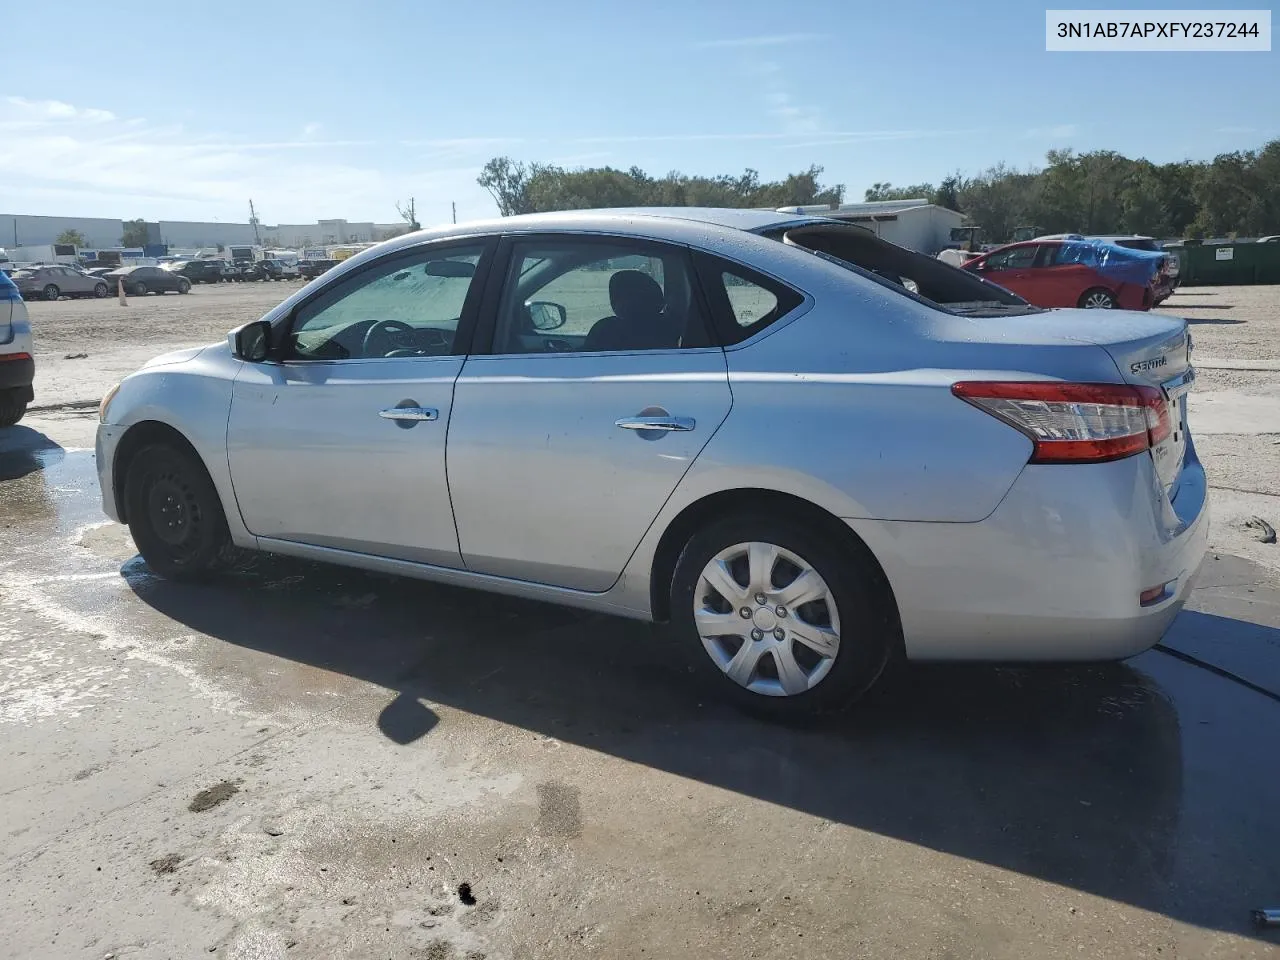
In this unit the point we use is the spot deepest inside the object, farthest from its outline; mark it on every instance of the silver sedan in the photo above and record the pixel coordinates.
(808, 450)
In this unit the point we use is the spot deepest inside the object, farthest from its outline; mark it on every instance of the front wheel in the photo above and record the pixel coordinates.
(184, 287)
(174, 513)
(782, 617)
(51, 292)
(1098, 299)
(12, 408)
(100, 290)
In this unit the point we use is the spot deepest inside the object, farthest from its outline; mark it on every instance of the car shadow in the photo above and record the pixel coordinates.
(24, 451)
(1070, 774)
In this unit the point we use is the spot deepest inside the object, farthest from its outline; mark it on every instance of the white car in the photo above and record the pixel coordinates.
(806, 448)
(17, 368)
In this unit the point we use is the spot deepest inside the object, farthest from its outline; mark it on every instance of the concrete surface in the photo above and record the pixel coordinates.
(300, 761)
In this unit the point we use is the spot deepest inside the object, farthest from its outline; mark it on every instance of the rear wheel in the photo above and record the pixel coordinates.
(174, 513)
(1098, 298)
(184, 286)
(139, 289)
(51, 292)
(99, 290)
(12, 407)
(779, 616)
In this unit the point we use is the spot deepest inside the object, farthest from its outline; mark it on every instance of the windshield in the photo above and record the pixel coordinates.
(914, 275)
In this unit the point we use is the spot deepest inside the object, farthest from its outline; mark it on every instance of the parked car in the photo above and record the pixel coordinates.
(279, 270)
(250, 270)
(725, 420)
(1071, 273)
(17, 367)
(52, 281)
(1131, 241)
(139, 281)
(198, 271)
(1273, 239)
(310, 269)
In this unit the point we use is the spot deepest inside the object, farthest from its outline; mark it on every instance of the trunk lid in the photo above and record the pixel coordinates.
(1150, 350)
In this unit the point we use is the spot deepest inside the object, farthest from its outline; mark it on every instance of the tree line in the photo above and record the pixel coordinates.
(518, 187)
(1098, 192)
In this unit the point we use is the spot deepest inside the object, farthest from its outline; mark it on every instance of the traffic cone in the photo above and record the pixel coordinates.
(124, 301)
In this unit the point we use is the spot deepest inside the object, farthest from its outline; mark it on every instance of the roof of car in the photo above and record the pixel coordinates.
(738, 219)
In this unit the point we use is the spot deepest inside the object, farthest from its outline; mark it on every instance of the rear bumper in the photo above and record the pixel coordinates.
(1055, 573)
(17, 374)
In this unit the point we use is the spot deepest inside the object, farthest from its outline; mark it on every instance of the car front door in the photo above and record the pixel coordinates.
(339, 439)
(598, 389)
(1011, 268)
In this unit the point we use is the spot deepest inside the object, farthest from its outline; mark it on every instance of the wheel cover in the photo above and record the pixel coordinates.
(51, 292)
(173, 513)
(767, 619)
(1097, 301)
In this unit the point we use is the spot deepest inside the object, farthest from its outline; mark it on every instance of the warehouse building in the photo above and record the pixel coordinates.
(914, 224)
(19, 230)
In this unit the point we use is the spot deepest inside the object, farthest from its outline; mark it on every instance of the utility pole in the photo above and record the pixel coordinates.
(253, 222)
(454, 204)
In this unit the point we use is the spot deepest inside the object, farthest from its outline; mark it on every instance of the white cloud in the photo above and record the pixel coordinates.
(38, 111)
(311, 129)
(768, 40)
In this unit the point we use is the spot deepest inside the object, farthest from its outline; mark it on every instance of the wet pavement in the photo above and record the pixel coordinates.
(304, 761)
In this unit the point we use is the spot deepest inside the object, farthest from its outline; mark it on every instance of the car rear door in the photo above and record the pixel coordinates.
(1058, 282)
(566, 443)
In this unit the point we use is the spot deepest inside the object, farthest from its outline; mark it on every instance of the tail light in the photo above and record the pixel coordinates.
(14, 356)
(1075, 422)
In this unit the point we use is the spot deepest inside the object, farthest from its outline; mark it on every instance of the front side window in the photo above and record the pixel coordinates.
(578, 295)
(405, 307)
(1019, 258)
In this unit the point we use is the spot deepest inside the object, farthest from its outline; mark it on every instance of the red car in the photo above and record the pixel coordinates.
(1041, 272)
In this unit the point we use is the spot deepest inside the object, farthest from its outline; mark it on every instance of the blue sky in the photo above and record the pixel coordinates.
(338, 109)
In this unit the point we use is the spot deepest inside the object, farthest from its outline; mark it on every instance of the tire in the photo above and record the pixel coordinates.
(139, 289)
(175, 516)
(184, 287)
(51, 292)
(100, 290)
(864, 620)
(1097, 298)
(11, 408)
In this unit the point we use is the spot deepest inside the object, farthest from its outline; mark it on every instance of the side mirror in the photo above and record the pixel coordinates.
(546, 315)
(252, 342)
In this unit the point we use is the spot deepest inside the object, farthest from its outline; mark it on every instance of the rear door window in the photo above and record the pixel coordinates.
(742, 301)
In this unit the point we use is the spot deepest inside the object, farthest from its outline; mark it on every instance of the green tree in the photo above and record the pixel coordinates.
(887, 191)
(517, 187)
(73, 237)
(135, 233)
(948, 192)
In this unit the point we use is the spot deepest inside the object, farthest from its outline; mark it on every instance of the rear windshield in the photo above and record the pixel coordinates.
(1139, 244)
(914, 275)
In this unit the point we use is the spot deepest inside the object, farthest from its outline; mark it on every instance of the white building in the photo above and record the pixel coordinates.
(20, 230)
(914, 224)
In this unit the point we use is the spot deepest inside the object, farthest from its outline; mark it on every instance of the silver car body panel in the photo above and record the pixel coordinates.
(313, 459)
(845, 403)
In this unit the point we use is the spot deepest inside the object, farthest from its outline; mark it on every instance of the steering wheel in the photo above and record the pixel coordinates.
(389, 331)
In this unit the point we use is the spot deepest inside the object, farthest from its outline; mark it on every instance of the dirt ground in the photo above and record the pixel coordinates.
(301, 761)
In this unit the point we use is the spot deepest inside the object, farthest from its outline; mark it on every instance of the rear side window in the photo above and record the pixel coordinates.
(743, 302)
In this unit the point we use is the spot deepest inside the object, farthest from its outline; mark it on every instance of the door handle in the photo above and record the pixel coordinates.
(414, 414)
(666, 424)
